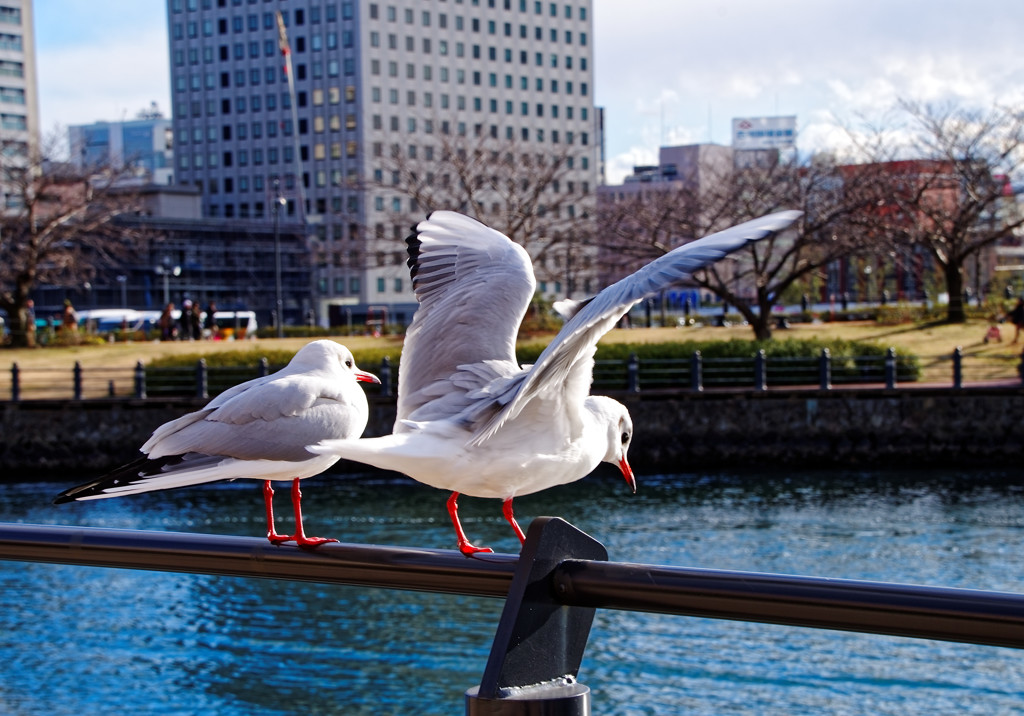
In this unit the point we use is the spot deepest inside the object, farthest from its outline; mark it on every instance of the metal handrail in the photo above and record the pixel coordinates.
(941, 613)
(426, 570)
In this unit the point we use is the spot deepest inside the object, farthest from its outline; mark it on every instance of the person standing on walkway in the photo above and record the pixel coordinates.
(69, 323)
(195, 322)
(185, 321)
(167, 323)
(211, 332)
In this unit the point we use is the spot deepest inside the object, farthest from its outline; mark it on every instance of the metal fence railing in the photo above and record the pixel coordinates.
(551, 593)
(697, 373)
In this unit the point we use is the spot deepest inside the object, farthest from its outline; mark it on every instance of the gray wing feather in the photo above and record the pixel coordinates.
(282, 439)
(271, 418)
(474, 286)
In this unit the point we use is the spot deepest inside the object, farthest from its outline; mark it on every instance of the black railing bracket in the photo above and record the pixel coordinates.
(539, 644)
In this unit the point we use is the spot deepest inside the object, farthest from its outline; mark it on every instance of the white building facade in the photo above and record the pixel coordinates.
(19, 99)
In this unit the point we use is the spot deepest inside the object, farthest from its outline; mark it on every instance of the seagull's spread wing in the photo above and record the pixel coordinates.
(566, 365)
(474, 286)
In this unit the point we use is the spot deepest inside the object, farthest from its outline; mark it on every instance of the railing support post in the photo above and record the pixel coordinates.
(263, 367)
(1020, 367)
(760, 372)
(958, 367)
(202, 379)
(385, 376)
(696, 372)
(77, 373)
(633, 373)
(825, 370)
(539, 644)
(140, 381)
(890, 369)
(15, 383)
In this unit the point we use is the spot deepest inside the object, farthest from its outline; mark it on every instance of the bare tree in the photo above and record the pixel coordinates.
(57, 228)
(834, 202)
(952, 197)
(639, 225)
(537, 198)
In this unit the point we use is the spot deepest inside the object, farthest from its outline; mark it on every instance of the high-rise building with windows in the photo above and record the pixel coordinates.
(386, 95)
(19, 101)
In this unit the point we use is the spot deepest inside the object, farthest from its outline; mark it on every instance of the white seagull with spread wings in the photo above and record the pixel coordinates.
(470, 419)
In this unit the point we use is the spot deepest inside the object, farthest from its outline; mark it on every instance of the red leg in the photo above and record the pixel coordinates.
(268, 500)
(300, 534)
(506, 509)
(464, 545)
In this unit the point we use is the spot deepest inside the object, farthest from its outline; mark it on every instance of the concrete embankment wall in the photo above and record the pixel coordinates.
(855, 428)
(674, 432)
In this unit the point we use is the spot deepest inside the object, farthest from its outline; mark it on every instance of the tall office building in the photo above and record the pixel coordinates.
(19, 101)
(383, 91)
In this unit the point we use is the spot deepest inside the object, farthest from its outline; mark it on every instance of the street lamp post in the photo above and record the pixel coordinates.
(167, 270)
(276, 206)
(123, 281)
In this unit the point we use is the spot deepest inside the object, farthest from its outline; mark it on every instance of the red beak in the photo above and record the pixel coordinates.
(627, 472)
(363, 377)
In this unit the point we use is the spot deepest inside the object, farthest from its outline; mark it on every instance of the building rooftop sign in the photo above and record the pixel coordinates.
(764, 132)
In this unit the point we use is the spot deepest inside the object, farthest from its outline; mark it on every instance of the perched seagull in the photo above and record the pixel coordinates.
(470, 419)
(257, 430)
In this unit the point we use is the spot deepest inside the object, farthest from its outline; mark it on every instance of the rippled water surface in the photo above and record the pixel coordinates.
(77, 640)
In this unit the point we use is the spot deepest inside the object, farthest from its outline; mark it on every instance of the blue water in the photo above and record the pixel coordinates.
(77, 640)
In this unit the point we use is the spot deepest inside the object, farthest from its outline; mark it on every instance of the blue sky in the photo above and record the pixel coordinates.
(100, 60)
(667, 71)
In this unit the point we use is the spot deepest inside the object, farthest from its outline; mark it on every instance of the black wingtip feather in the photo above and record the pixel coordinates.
(412, 241)
(124, 475)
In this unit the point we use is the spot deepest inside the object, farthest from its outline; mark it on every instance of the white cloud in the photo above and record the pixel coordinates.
(617, 168)
(665, 97)
(744, 86)
(678, 136)
(874, 95)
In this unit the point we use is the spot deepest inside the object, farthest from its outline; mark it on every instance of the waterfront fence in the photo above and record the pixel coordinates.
(696, 373)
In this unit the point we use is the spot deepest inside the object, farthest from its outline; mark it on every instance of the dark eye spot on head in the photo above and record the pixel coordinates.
(348, 362)
(625, 438)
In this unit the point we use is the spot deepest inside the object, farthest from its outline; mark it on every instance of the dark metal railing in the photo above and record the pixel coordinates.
(824, 371)
(760, 372)
(368, 566)
(978, 617)
(551, 591)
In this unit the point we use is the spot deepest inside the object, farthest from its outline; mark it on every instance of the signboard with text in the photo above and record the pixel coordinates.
(764, 132)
